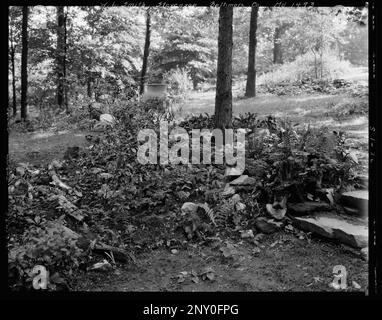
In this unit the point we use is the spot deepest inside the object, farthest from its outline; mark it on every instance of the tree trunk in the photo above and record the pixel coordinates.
(12, 48)
(24, 62)
(146, 50)
(65, 55)
(89, 84)
(277, 50)
(223, 100)
(60, 56)
(250, 90)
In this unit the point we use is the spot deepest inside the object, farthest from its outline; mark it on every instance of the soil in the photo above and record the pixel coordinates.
(284, 263)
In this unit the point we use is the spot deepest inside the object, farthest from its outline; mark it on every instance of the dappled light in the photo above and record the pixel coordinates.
(184, 148)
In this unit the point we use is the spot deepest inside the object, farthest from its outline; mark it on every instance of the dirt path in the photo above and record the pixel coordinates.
(285, 263)
(43, 147)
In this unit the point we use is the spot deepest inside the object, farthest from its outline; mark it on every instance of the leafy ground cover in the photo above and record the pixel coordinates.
(99, 203)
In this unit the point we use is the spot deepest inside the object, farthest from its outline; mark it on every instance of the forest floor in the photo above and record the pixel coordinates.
(286, 262)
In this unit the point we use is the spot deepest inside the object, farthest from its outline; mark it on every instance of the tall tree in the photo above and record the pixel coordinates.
(277, 49)
(146, 49)
(12, 57)
(61, 58)
(24, 63)
(223, 99)
(250, 90)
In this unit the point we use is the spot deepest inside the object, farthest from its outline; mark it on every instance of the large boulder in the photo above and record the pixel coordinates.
(347, 230)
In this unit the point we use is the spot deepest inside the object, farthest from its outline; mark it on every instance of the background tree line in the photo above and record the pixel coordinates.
(61, 56)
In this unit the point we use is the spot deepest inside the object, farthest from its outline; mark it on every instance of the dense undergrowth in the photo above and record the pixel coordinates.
(112, 199)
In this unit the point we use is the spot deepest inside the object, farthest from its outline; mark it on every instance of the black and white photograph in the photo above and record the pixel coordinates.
(188, 148)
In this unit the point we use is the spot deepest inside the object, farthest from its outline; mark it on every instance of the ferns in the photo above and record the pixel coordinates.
(225, 210)
(209, 212)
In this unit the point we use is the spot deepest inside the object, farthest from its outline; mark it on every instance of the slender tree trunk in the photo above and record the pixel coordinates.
(146, 50)
(66, 88)
(24, 62)
(60, 56)
(277, 50)
(12, 48)
(89, 86)
(223, 100)
(250, 90)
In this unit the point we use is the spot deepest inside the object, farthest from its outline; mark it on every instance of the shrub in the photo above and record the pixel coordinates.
(179, 83)
(305, 66)
(47, 244)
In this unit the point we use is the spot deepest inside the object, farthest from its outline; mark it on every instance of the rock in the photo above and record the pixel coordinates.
(353, 232)
(267, 226)
(228, 191)
(240, 206)
(57, 182)
(174, 251)
(68, 207)
(362, 181)
(106, 175)
(55, 164)
(276, 213)
(365, 253)
(107, 118)
(236, 198)
(352, 211)
(356, 285)
(101, 266)
(233, 171)
(20, 171)
(244, 180)
(357, 200)
(307, 207)
(189, 208)
(69, 233)
(247, 234)
(97, 105)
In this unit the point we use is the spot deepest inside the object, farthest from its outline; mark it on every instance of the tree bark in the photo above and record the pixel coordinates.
(24, 62)
(60, 56)
(250, 90)
(277, 50)
(223, 100)
(65, 52)
(146, 50)
(12, 49)
(89, 84)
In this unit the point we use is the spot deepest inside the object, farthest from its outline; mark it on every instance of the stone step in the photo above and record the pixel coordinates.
(307, 207)
(357, 200)
(362, 181)
(348, 230)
